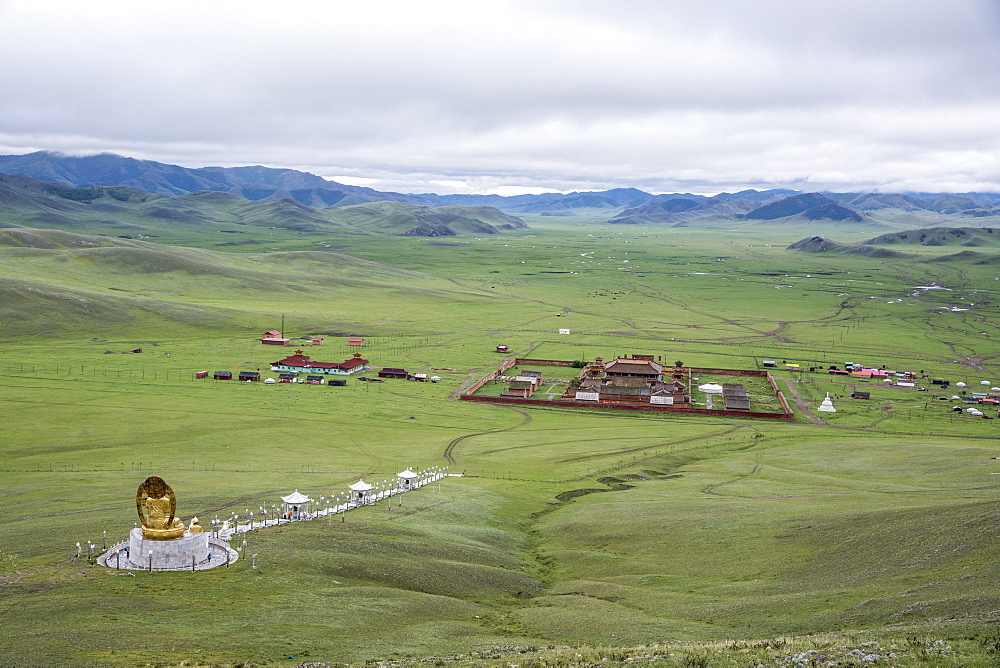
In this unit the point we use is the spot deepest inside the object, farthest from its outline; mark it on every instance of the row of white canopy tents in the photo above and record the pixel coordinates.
(298, 506)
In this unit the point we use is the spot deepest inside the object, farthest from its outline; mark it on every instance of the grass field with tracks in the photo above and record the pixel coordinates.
(571, 527)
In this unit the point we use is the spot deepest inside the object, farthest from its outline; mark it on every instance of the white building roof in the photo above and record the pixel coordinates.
(408, 475)
(296, 497)
(360, 486)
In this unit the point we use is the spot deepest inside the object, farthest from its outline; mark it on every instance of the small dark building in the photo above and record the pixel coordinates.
(734, 397)
(518, 388)
(249, 375)
(337, 382)
(223, 375)
(861, 395)
(392, 372)
(736, 403)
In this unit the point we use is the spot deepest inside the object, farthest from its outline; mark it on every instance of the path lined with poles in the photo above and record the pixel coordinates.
(379, 491)
(224, 552)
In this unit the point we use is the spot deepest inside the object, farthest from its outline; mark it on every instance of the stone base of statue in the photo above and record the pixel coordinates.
(174, 555)
(163, 534)
(171, 553)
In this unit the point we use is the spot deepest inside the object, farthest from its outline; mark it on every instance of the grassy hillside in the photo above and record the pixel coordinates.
(719, 539)
(824, 245)
(942, 236)
(58, 283)
(414, 221)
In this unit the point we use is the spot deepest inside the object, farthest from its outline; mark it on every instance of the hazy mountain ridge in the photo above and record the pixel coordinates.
(28, 202)
(808, 206)
(681, 212)
(777, 207)
(624, 205)
(252, 182)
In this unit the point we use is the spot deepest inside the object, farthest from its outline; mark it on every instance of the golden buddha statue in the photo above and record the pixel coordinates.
(195, 527)
(155, 497)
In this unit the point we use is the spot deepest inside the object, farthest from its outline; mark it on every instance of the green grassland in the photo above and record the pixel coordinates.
(726, 541)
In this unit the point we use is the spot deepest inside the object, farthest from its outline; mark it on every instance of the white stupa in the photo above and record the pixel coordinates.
(827, 405)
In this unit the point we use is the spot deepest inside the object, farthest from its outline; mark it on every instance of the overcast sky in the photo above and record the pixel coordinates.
(506, 96)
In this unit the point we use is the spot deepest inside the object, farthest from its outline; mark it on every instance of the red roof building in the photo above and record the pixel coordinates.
(303, 364)
(639, 366)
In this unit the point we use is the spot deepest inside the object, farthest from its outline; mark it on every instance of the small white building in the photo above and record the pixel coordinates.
(361, 492)
(296, 505)
(407, 480)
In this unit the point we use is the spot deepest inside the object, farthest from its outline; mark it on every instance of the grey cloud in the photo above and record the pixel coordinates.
(542, 94)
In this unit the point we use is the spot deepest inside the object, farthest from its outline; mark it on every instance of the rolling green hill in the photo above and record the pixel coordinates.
(81, 283)
(422, 221)
(807, 206)
(824, 245)
(942, 236)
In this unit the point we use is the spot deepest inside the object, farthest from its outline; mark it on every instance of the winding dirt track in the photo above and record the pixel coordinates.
(449, 452)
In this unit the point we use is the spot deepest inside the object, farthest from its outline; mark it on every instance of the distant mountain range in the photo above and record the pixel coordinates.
(127, 211)
(866, 209)
(253, 183)
(622, 205)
